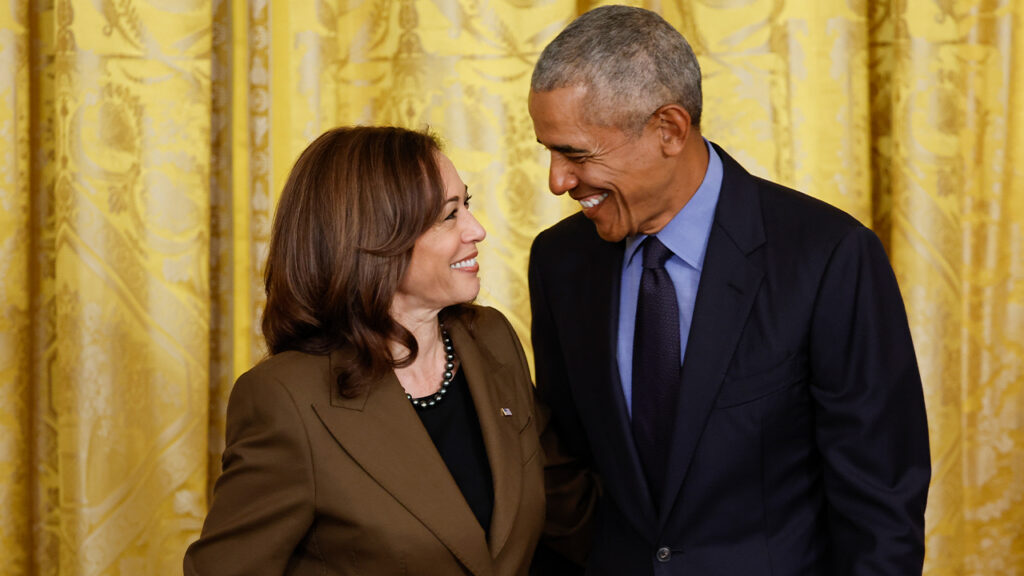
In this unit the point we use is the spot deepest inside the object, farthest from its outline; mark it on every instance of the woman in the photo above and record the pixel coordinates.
(392, 428)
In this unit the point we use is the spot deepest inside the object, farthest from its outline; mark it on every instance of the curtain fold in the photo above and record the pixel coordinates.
(145, 142)
(957, 189)
(16, 398)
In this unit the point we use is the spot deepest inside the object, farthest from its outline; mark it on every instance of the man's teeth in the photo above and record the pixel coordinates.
(593, 200)
(464, 264)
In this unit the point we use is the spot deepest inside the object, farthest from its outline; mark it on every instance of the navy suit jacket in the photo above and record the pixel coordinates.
(801, 442)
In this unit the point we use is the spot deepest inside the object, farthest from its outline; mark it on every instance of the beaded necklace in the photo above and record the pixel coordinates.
(449, 375)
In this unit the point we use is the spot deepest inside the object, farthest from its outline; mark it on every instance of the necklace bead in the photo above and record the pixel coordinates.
(449, 375)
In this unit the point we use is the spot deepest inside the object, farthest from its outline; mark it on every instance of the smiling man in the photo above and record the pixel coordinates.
(729, 357)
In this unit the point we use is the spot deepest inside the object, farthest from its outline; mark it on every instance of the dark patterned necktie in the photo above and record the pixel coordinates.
(655, 364)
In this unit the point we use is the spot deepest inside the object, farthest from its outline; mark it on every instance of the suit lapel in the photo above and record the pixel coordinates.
(728, 285)
(380, 430)
(492, 387)
(603, 397)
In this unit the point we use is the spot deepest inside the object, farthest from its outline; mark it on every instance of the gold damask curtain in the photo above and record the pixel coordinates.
(143, 144)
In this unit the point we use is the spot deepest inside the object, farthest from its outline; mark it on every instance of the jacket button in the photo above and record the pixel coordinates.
(663, 554)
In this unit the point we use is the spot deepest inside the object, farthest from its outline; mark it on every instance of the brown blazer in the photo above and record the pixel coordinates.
(315, 483)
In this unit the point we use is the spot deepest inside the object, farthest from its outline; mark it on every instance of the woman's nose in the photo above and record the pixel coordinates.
(474, 231)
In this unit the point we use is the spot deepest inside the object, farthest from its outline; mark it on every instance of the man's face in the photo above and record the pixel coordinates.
(620, 180)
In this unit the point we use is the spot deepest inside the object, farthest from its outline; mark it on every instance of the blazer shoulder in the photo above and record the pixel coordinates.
(779, 200)
(301, 374)
(289, 362)
(571, 233)
(486, 316)
(795, 221)
(572, 253)
(783, 211)
(493, 331)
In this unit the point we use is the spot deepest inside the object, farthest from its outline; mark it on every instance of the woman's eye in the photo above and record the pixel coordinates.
(455, 212)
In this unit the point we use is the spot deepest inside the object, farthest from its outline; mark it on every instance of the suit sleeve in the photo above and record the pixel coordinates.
(263, 502)
(571, 488)
(870, 415)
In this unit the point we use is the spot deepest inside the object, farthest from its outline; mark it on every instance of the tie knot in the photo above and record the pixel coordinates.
(655, 253)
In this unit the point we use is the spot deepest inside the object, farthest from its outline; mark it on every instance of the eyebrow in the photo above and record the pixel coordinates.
(564, 149)
(456, 198)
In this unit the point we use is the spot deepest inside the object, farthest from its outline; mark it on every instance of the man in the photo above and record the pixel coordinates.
(731, 358)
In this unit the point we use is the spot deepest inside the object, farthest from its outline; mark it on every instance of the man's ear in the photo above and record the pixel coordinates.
(673, 128)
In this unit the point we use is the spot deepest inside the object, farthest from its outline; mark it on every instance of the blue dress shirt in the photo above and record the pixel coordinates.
(686, 235)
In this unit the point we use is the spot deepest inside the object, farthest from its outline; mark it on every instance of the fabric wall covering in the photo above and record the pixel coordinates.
(144, 142)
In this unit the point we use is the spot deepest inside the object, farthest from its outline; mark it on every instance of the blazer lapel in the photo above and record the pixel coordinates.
(379, 429)
(492, 386)
(728, 285)
(603, 397)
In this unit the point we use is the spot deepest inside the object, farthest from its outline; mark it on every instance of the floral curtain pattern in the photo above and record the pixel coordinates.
(144, 143)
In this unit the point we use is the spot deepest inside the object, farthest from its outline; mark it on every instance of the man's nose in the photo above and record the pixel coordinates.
(562, 175)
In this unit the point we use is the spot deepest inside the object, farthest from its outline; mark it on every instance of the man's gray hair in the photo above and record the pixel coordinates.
(630, 61)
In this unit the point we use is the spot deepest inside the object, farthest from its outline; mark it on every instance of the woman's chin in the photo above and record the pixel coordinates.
(470, 294)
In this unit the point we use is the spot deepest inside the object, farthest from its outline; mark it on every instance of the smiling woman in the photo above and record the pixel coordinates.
(392, 429)
(443, 268)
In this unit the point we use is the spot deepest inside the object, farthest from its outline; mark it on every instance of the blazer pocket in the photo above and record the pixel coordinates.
(738, 390)
(529, 442)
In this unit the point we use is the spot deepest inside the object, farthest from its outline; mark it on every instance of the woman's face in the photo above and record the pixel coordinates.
(443, 269)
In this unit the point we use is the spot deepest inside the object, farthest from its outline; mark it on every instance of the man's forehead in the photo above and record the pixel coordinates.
(556, 115)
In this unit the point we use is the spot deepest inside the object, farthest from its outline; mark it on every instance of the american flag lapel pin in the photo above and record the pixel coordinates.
(506, 412)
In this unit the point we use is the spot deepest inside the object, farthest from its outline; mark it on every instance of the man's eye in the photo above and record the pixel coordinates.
(577, 159)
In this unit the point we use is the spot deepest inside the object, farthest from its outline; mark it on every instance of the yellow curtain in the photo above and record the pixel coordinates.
(144, 142)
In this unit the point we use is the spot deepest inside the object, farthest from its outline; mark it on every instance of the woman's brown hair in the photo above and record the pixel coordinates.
(353, 206)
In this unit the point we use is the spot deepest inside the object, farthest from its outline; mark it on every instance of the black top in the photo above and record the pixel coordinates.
(455, 430)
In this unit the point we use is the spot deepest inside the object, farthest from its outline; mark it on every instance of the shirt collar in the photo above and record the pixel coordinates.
(686, 235)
